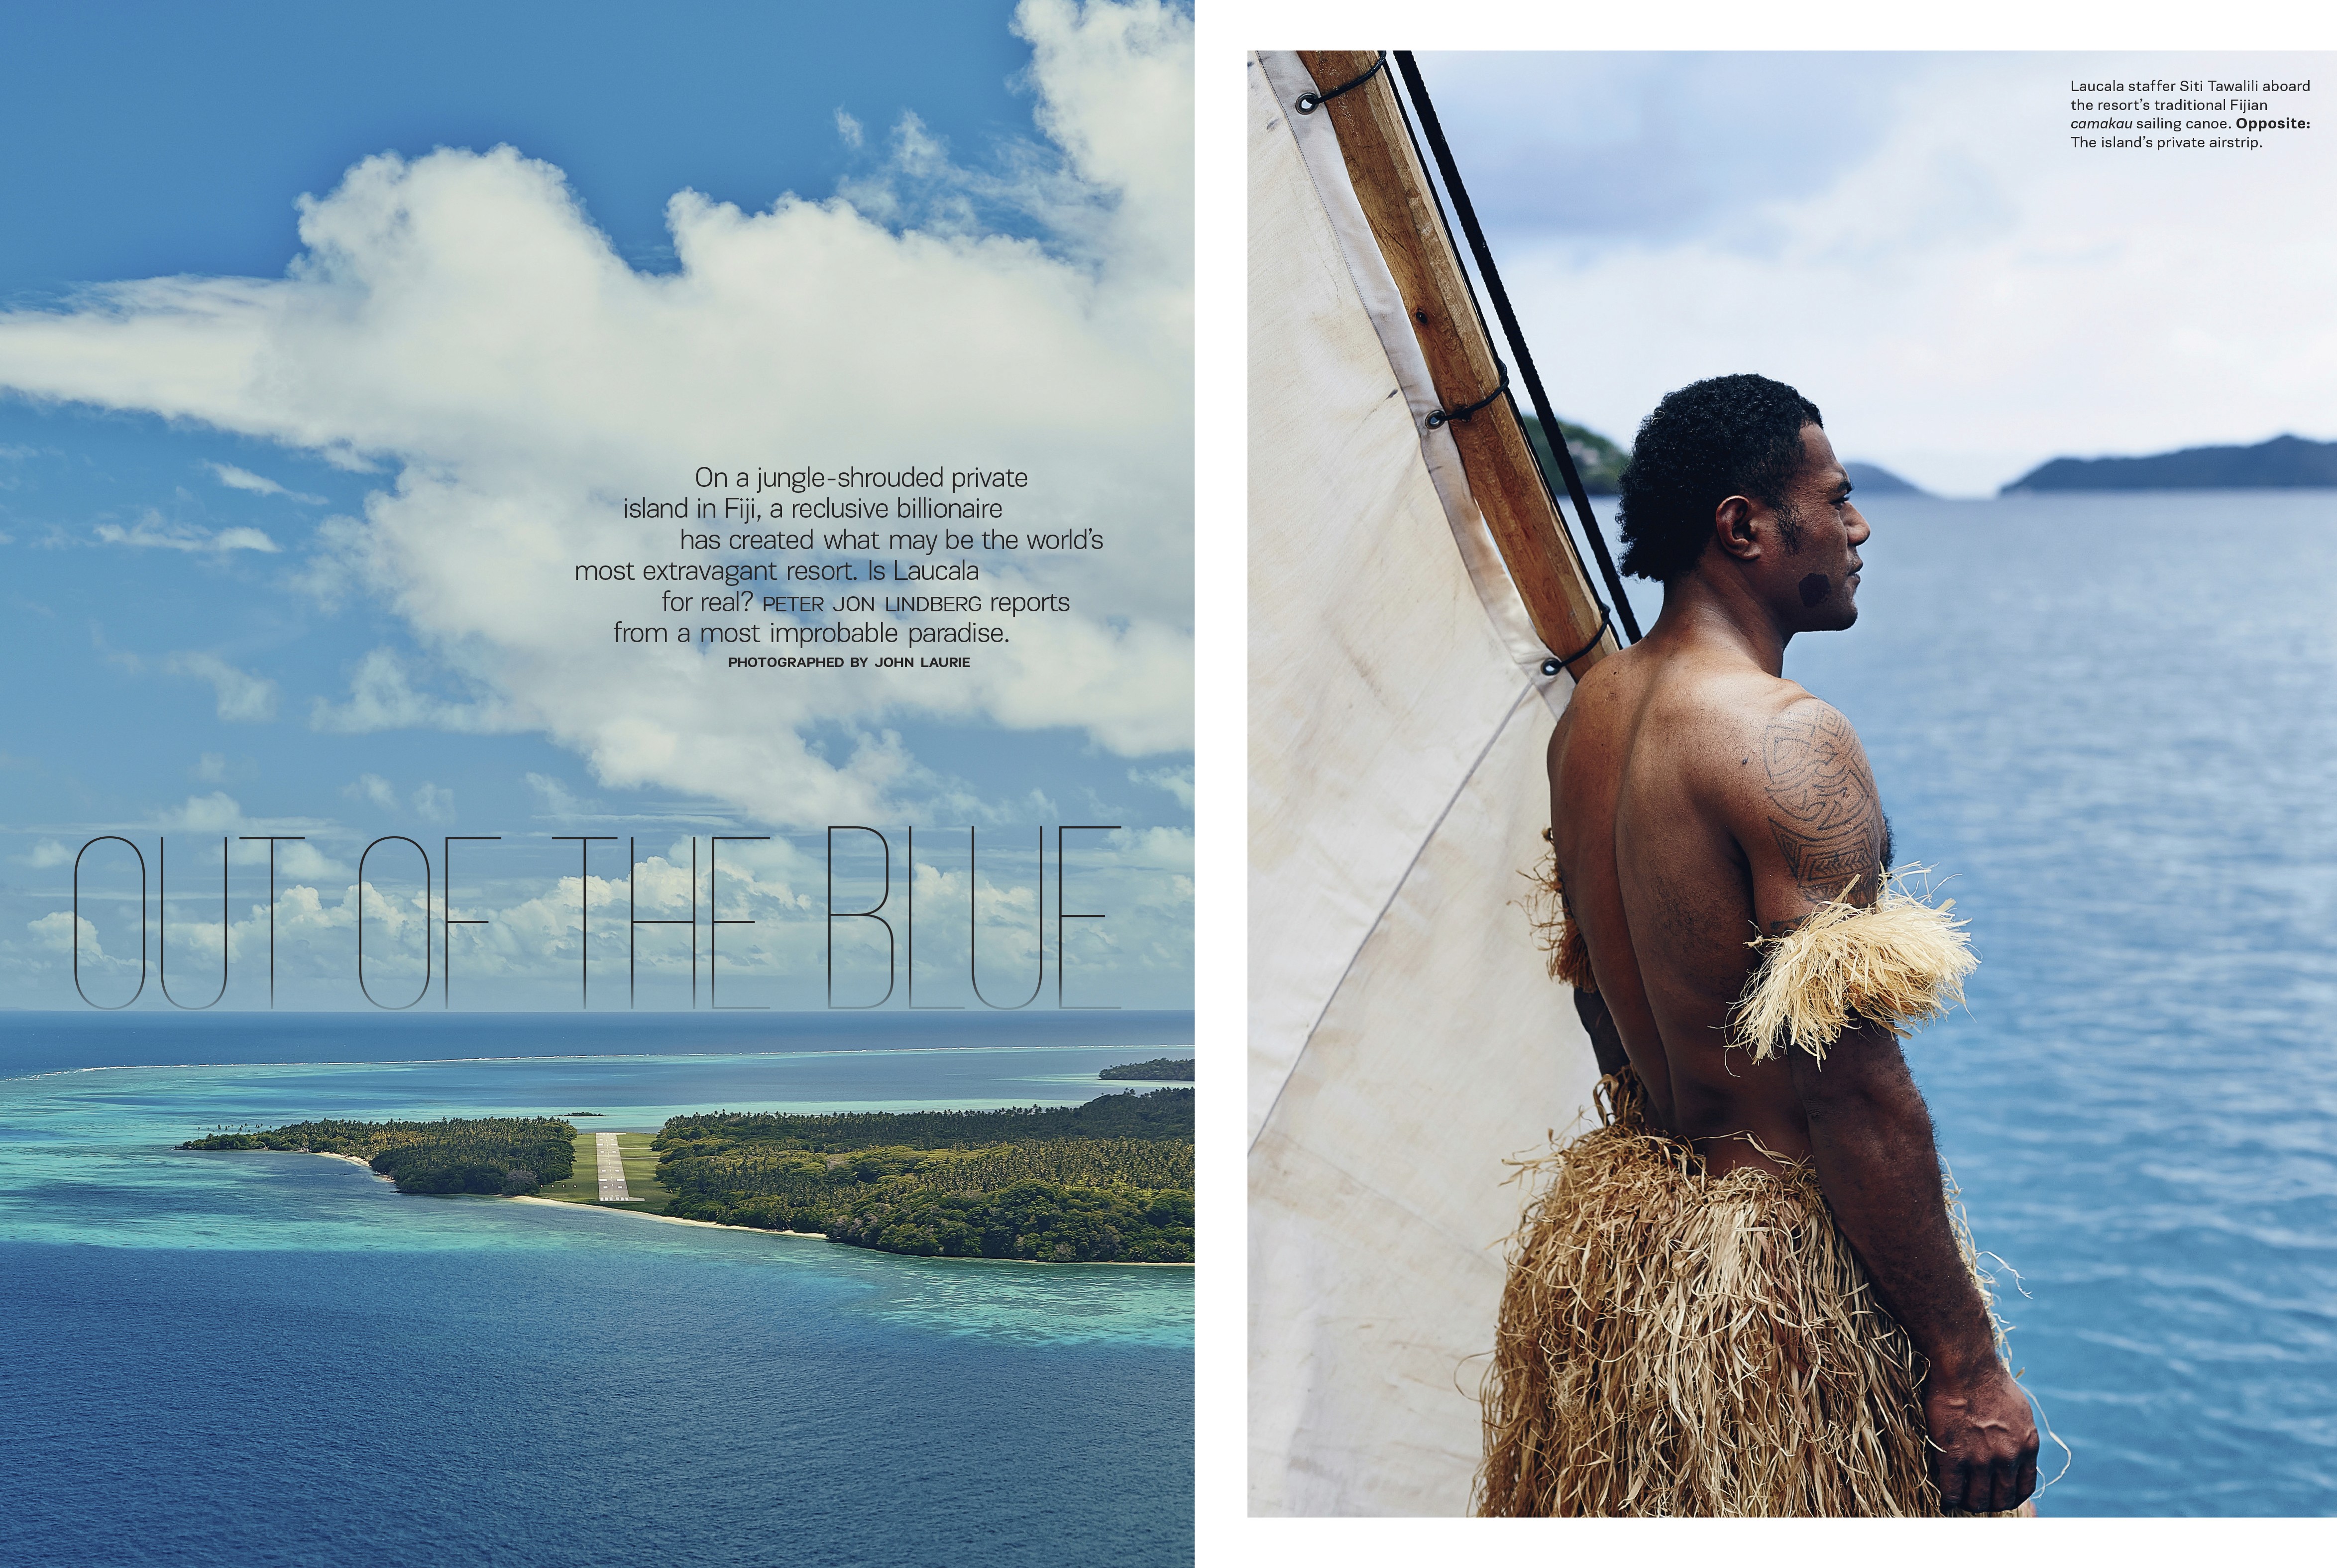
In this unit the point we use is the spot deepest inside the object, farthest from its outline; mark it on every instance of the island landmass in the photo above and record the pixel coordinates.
(1597, 460)
(494, 1155)
(1875, 479)
(1109, 1181)
(2282, 463)
(1159, 1070)
(1601, 462)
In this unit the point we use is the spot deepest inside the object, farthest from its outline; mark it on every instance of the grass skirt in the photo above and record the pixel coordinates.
(1676, 1344)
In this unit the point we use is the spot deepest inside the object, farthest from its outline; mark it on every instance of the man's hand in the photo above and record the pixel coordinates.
(1984, 1440)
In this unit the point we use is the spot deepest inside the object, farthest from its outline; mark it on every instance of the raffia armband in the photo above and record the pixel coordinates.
(1895, 963)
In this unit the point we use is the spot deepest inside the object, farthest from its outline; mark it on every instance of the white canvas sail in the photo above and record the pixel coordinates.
(1403, 1035)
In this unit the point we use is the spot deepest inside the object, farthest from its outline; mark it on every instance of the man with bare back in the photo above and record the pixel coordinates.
(1746, 1292)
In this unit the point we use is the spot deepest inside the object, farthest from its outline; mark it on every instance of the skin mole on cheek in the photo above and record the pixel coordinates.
(1814, 588)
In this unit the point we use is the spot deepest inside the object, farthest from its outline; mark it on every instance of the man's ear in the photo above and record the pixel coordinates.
(1733, 528)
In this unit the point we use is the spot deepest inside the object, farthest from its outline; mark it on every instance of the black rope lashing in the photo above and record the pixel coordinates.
(1461, 416)
(1467, 212)
(1310, 102)
(1552, 666)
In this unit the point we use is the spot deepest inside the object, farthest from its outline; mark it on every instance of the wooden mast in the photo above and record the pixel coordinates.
(1402, 208)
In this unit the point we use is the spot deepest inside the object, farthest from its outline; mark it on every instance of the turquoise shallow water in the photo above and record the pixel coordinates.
(277, 1358)
(2110, 722)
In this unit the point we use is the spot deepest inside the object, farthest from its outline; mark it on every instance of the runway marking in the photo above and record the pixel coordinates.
(612, 1169)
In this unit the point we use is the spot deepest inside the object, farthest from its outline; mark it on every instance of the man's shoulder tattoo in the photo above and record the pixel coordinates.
(1820, 801)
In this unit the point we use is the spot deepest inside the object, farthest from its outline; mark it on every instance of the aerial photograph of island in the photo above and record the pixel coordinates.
(568, 994)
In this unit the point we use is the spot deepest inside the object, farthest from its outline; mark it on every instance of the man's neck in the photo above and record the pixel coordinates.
(1711, 611)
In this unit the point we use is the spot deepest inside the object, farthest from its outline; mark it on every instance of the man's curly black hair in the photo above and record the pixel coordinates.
(1728, 435)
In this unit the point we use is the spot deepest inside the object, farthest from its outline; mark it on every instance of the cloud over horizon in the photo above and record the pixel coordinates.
(1912, 240)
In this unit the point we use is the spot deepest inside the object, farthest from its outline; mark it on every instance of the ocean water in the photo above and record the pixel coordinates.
(155, 1034)
(2110, 723)
(275, 1358)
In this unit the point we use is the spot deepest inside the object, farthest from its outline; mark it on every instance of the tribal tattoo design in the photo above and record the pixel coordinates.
(1821, 809)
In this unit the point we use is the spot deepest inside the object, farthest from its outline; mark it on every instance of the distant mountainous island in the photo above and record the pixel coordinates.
(1599, 460)
(2282, 463)
(1875, 479)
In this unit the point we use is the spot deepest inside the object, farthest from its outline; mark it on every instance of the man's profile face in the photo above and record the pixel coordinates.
(1819, 564)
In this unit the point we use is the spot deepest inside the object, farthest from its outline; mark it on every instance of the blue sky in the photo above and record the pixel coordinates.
(327, 346)
(1913, 240)
(171, 138)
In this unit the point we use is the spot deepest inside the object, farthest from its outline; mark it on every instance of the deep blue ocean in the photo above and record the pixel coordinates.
(2110, 723)
(275, 1358)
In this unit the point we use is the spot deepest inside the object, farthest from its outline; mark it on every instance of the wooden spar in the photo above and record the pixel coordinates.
(1402, 208)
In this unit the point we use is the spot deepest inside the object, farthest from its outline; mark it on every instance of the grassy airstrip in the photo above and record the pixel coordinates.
(640, 1174)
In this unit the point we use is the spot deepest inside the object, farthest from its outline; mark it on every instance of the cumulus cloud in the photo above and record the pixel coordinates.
(340, 561)
(304, 861)
(54, 933)
(457, 319)
(236, 478)
(217, 812)
(429, 801)
(374, 791)
(558, 799)
(382, 697)
(1178, 781)
(243, 698)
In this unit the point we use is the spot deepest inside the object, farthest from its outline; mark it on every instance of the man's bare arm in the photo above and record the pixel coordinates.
(1871, 1138)
(1606, 1040)
(1812, 829)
